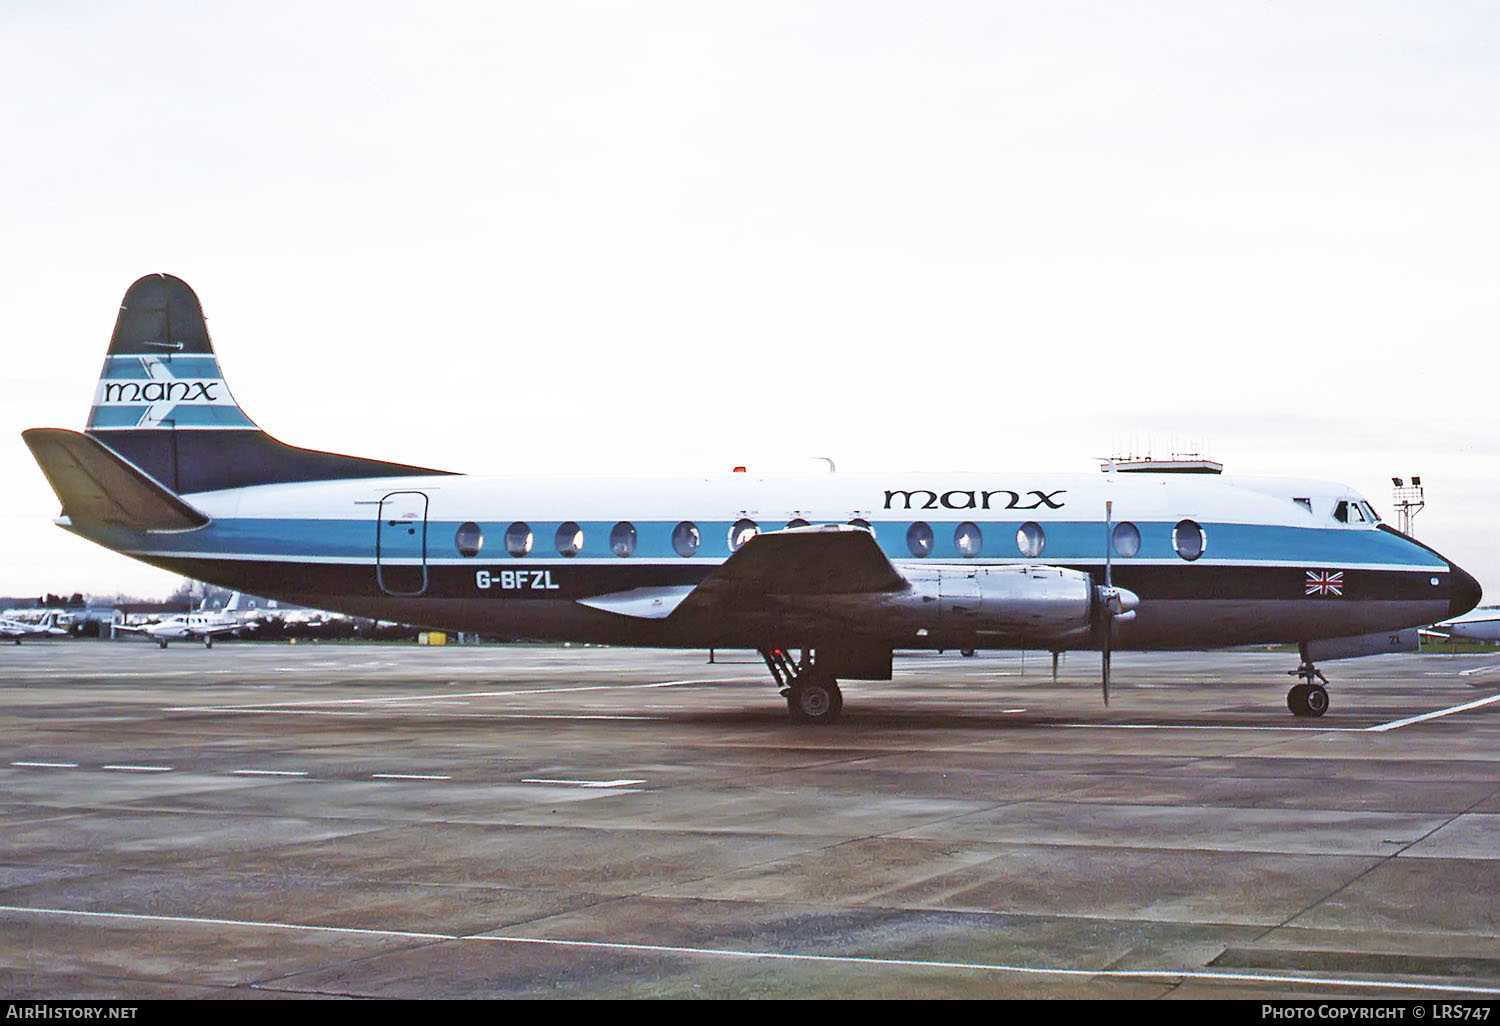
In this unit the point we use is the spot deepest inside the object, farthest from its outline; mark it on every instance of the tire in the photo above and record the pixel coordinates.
(816, 701)
(1296, 699)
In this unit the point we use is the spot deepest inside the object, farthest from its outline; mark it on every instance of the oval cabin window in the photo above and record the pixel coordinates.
(468, 539)
(518, 539)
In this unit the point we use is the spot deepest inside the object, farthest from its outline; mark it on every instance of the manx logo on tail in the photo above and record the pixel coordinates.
(165, 391)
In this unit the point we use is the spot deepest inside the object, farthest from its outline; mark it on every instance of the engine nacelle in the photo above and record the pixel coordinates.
(1010, 606)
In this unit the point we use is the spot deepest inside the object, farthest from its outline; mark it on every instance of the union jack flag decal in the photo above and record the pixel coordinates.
(1322, 582)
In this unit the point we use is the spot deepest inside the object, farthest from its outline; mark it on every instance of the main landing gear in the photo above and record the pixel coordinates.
(1309, 698)
(812, 696)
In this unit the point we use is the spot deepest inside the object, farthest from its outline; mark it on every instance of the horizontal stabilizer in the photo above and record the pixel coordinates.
(644, 603)
(97, 485)
(832, 559)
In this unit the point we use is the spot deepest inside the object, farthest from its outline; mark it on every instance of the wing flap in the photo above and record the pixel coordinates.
(96, 484)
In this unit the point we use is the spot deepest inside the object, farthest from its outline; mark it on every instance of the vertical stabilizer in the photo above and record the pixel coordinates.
(163, 405)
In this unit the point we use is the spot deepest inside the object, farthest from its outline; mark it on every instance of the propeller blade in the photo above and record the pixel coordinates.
(1109, 610)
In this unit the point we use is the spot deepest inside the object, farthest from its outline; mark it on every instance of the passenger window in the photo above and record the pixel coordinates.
(741, 532)
(518, 539)
(622, 539)
(1188, 539)
(967, 539)
(1126, 539)
(468, 539)
(569, 539)
(686, 539)
(1031, 540)
(919, 539)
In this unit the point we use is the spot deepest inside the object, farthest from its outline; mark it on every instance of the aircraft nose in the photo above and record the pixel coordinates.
(1465, 591)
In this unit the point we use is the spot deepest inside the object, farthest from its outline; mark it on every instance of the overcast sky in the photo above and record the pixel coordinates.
(586, 237)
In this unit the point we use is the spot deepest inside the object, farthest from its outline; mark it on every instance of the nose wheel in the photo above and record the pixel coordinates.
(1307, 700)
(1310, 698)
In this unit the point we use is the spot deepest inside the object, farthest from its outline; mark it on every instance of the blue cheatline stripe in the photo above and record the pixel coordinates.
(1067, 542)
(133, 368)
(183, 415)
(189, 415)
(116, 416)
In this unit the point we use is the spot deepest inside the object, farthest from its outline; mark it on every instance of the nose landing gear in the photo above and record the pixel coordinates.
(1309, 698)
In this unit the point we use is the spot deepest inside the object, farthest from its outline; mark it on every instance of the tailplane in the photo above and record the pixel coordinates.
(163, 405)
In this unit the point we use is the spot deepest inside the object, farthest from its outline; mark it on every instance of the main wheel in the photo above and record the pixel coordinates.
(815, 700)
(162, 642)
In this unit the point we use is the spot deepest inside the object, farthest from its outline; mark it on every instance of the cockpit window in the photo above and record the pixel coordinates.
(1304, 503)
(1341, 512)
(1370, 512)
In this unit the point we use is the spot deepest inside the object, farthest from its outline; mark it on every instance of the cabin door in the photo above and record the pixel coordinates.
(401, 544)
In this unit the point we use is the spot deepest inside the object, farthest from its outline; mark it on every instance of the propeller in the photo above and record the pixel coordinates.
(1113, 604)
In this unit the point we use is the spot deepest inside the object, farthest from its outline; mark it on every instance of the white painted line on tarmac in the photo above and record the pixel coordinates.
(395, 699)
(1164, 975)
(408, 776)
(203, 921)
(139, 769)
(269, 773)
(48, 765)
(269, 711)
(1210, 726)
(1394, 724)
(583, 783)
(1479, 669)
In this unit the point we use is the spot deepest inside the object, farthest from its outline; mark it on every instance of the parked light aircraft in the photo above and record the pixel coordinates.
(845, 568)
(182, 626)
(46, 627)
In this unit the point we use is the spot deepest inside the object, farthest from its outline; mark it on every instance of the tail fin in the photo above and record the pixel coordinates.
(163, 405)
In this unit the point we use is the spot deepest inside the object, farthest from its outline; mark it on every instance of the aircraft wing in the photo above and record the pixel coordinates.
(825, 560)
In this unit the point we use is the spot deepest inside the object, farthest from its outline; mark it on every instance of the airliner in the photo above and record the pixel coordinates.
(825, 575)
(1482, 624)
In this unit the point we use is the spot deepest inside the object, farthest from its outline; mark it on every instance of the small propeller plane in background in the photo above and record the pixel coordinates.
(846, 568)
(203, 626)
(46, 627)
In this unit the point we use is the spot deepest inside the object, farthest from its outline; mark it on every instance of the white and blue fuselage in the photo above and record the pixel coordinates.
(848, 567)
